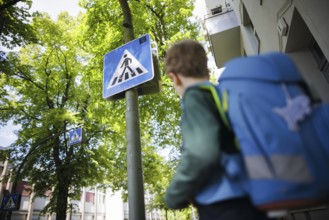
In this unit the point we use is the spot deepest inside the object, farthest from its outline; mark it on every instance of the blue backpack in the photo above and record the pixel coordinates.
(283, 135)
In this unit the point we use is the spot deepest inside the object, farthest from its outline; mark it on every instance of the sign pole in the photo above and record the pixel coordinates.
(134, 161)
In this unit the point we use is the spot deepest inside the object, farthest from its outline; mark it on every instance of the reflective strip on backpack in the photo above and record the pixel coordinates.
(282, 167)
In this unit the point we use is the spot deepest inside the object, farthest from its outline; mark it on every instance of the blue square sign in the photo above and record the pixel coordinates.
(75, 136)
(128, 66)
(11, 202)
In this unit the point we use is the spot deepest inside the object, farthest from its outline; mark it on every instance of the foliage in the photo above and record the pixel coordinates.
(165, 20)
(15, 29)
(53, 86)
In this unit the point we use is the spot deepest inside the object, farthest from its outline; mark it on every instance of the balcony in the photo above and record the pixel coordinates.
(223, 32)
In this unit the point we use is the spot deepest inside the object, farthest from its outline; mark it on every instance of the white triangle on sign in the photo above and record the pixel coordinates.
(10, 204)
(75, 137)
(128, 68)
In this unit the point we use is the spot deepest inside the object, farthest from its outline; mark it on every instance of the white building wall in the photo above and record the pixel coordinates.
(114, 206)
(264, 19)
(265, 16)
(39, 203)
(25, 200)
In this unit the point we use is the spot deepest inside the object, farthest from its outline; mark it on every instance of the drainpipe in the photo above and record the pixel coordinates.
(30, 206)
(83, 200)
(95, 204)
(4, 173)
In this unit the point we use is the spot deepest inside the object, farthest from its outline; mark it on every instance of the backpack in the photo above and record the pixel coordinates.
(282, 133)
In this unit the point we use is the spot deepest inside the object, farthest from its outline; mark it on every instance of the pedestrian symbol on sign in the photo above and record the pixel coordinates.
(10, 204)
(75, 136)
(128, 68)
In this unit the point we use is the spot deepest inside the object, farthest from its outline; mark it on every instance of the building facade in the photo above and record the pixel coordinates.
(296, 27)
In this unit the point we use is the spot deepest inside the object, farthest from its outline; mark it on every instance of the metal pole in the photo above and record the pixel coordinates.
(134, 160)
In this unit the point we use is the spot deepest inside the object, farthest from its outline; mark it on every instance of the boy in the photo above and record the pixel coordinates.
(205, 138)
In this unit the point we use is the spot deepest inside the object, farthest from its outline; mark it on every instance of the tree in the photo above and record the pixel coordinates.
(54, 86)
(15, 29)
(50, 97)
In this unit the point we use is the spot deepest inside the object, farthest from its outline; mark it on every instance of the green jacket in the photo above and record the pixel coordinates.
(203, 133)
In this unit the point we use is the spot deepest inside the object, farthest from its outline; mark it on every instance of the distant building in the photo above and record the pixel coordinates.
(95, 204)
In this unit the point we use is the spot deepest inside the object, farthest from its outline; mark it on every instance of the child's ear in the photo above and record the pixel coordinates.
(174, 78)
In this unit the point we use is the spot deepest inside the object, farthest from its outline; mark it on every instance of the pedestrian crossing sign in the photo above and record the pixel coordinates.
(127, 66)
(75, 136)
(11, 202)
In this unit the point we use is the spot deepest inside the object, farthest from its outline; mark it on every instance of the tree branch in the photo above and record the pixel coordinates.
(50, 103)
(8, 4)
(68, 78)
(127, 21)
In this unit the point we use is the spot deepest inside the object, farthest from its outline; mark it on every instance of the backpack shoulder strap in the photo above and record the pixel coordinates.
(221, 105)
(221, 101)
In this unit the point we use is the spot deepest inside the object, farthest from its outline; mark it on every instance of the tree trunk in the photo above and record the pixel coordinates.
(62, 196)
(2, 23)
(128, 30)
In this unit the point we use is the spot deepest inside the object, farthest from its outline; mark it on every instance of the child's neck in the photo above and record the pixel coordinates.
(190, 81)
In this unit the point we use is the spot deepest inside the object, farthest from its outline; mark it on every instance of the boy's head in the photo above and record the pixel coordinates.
(185, 64)
(187, 58)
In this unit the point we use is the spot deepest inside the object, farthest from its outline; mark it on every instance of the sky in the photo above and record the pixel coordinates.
(53, 8)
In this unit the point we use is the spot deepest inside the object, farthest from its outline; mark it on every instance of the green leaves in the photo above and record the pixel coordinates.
(14, 23)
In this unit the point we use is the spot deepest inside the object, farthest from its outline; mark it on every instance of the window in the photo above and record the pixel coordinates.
(320, 59)
(216, 10)
(90, 197)
(101, 198)
(251, 32)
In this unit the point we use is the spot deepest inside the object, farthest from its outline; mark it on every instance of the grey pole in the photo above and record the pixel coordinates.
(134, 160)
